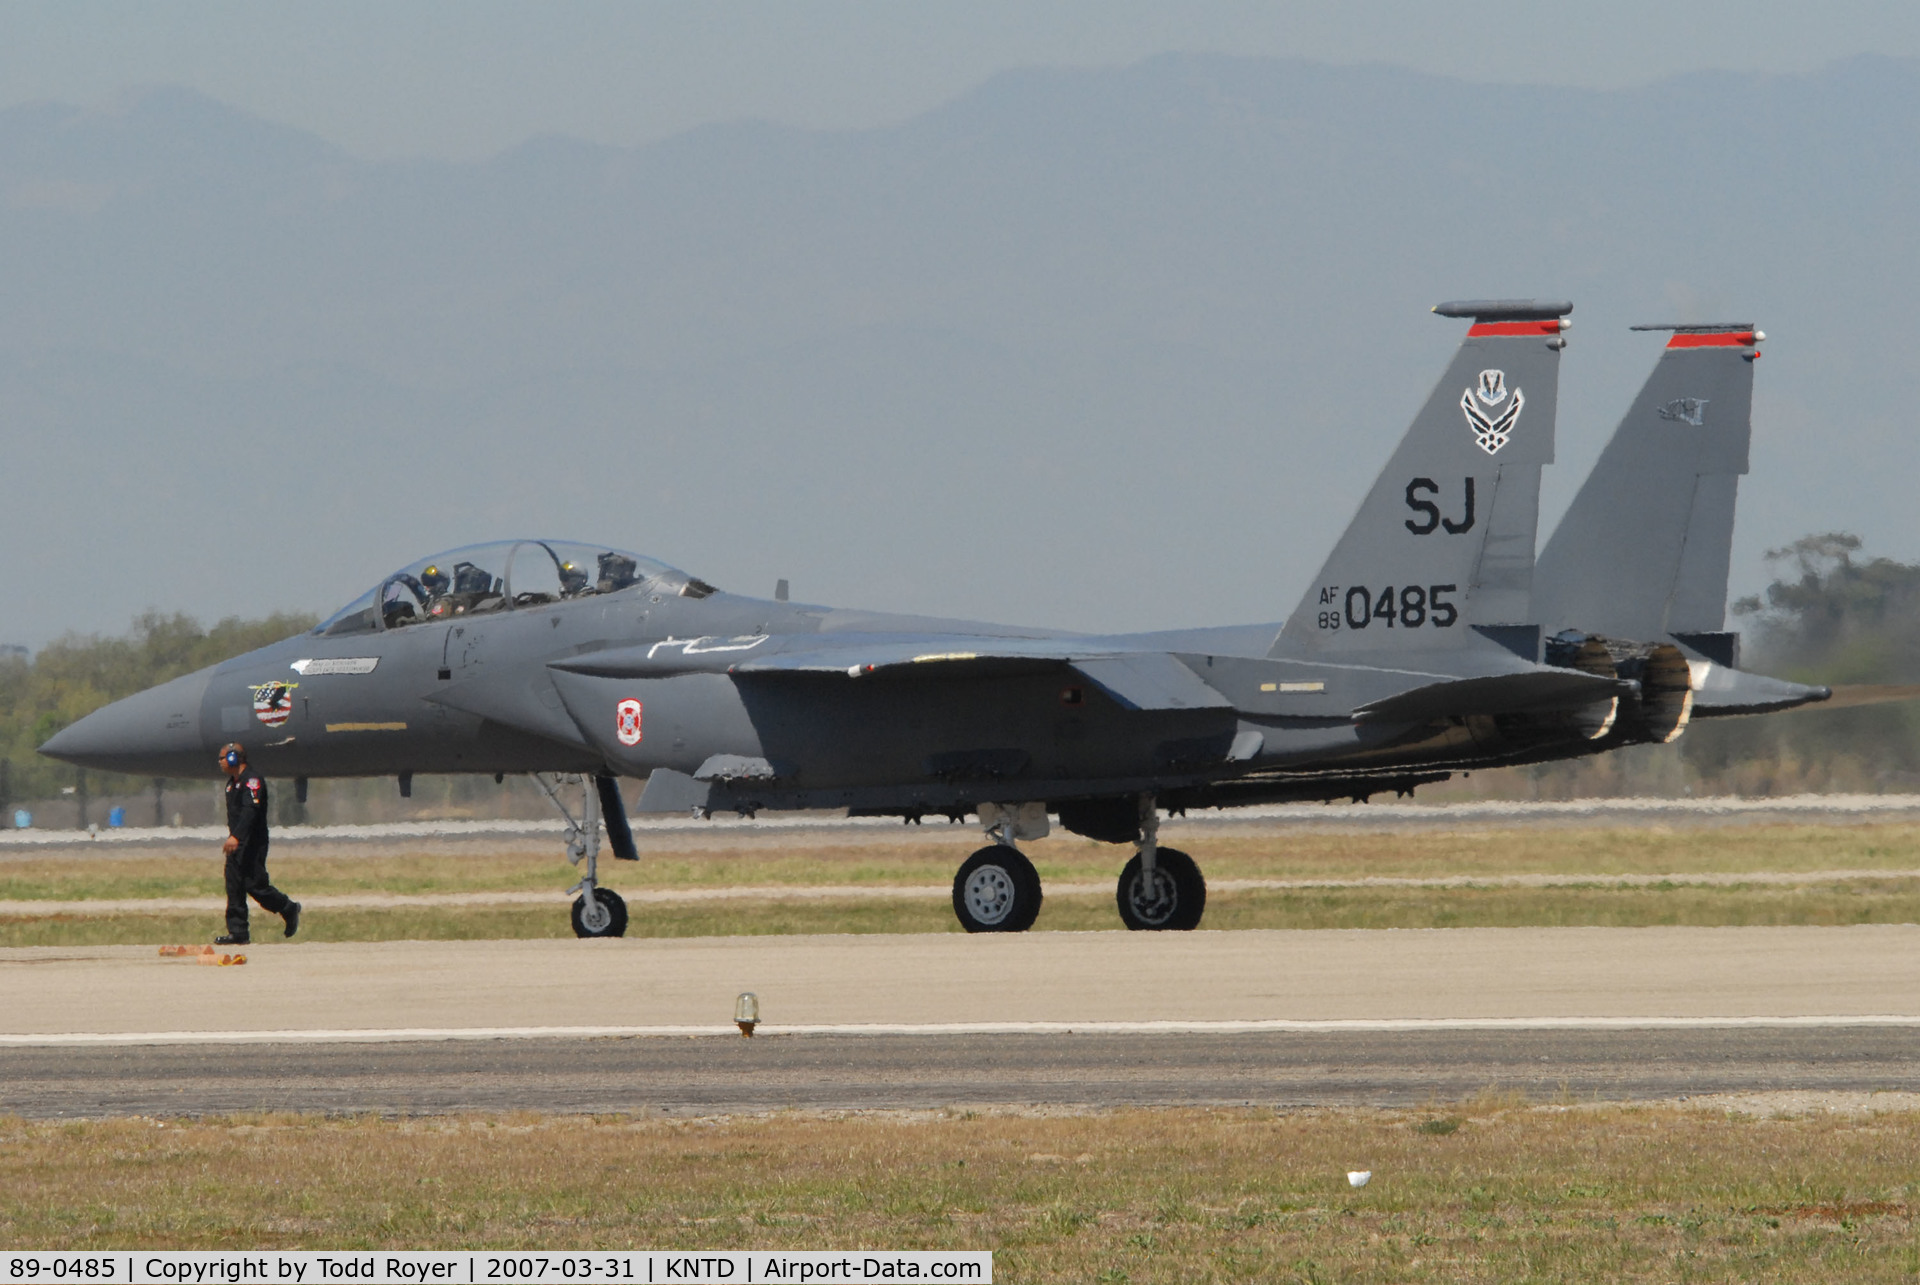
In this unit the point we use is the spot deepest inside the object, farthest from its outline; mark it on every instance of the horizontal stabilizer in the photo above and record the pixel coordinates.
(1763, 696)
(1536, 691)
(1719, 692)
(1151, 680)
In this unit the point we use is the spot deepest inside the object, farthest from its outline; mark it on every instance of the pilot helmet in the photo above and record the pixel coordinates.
(433, 579)
(572, 578)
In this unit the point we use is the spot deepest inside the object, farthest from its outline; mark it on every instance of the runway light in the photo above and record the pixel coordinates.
(1358, 1177)
(746, 1012)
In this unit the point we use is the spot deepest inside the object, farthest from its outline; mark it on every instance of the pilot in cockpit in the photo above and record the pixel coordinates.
(573, 581)
(473, 588)
(433, 589)
(617, 571)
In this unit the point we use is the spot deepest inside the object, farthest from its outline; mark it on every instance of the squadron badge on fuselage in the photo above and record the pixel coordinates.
(273, 702)
(626, 721)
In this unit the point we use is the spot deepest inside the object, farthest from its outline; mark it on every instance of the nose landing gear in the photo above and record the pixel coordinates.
(597, 911)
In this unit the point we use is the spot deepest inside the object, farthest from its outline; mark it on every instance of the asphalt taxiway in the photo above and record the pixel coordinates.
(1050, 1019)
(658, 1075)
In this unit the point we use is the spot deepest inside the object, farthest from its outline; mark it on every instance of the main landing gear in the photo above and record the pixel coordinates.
(597, 911)
(998, 890)
(1161, 888)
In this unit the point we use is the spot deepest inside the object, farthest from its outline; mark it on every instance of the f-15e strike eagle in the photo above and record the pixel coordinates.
(1427, 644)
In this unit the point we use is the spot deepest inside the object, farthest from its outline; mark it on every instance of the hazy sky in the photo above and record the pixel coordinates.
(397, 79)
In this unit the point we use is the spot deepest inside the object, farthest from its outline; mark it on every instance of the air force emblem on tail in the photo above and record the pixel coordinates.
(1492, 411)
(626, 721)
(1686, 410)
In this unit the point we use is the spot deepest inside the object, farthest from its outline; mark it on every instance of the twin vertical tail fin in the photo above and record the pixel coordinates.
(1643, 551)
(1440, 555)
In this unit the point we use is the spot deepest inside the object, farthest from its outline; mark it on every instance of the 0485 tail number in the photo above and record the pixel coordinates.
(1409, 607)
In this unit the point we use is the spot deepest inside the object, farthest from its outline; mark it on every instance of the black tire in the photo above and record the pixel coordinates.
(615, 907)
(996, 891)
(1179, 894)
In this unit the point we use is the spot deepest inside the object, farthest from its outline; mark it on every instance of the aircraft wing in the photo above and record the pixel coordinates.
(1136, 679)
(816, 654)
(1143, 680)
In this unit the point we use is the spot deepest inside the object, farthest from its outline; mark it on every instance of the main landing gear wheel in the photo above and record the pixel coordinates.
(997, 891)
(608, 918)
(1175, 900)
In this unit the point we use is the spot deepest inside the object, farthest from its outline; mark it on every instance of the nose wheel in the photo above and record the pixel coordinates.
(604, 916)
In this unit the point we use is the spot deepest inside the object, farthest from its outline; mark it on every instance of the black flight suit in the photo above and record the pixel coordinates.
(247, 864)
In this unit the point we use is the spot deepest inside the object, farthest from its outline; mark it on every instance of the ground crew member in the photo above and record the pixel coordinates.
(246, 849)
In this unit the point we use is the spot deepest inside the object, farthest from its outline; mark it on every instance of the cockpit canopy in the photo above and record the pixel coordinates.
(507, 575)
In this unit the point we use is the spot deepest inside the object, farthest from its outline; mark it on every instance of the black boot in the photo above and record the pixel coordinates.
(292, 915)
(231, 939)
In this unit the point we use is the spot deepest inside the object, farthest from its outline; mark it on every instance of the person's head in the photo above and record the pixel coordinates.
(233, 758)
(572, 578)
(433, 580)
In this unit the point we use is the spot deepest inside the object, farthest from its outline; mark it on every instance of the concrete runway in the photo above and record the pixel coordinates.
(928, 1021)
(945, 979)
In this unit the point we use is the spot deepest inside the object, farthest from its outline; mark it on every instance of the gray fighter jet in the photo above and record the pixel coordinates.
(1416, 651)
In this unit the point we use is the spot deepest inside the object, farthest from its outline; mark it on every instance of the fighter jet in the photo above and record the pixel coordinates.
(1415, 652)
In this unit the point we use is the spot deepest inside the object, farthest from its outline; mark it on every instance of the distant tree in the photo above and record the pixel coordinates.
(1837, 617)
(1829, 616)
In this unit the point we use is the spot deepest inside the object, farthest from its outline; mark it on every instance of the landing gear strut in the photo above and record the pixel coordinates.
(997, 889)
(597, 911)
(1161, 888)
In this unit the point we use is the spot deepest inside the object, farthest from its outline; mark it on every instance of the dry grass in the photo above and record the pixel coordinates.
(1859, 901)
(1489, 1191)
(929, 856)
(926, 859)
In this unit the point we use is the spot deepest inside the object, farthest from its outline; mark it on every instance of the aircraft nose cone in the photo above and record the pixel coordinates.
(156, 733)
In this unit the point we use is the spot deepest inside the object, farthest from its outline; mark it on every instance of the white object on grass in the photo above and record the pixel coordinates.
(1358, 1177)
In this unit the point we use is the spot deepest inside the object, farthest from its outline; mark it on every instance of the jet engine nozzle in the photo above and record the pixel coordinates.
(1666, 692)
(1589, 655)
(1665, 702)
